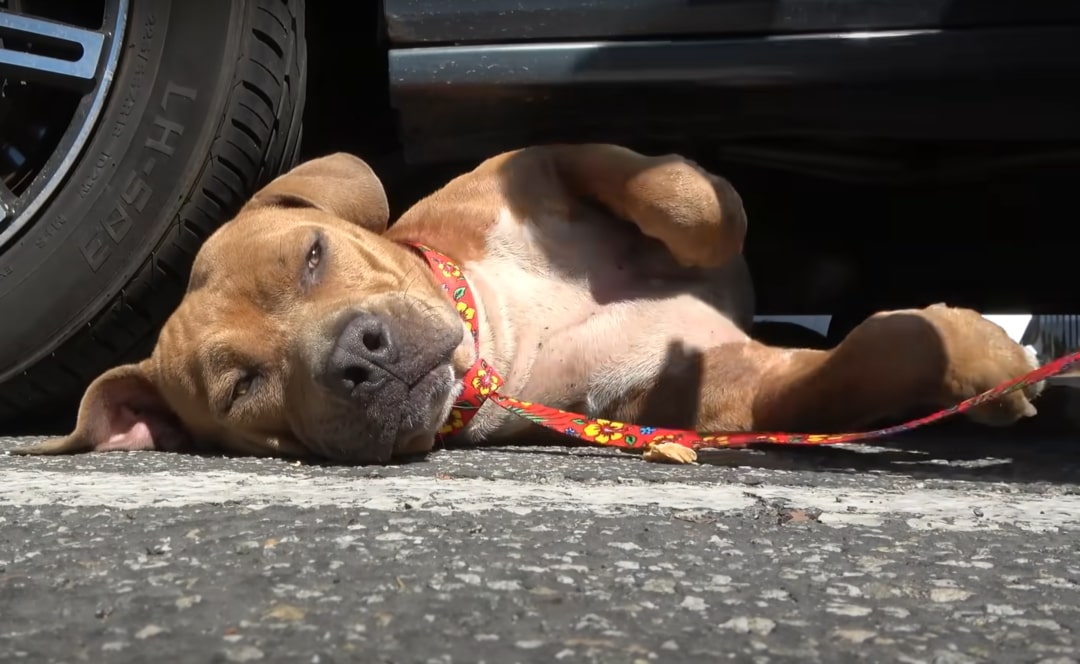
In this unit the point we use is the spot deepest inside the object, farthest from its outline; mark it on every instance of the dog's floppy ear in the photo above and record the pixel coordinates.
(121, 410)
(340, 183)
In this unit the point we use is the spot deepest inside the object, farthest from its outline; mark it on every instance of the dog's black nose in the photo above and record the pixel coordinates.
(362, 358)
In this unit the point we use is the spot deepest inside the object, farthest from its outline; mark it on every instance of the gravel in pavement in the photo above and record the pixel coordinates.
(965, 553)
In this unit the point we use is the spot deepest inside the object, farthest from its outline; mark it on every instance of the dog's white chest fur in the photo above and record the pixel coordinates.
(586, 311)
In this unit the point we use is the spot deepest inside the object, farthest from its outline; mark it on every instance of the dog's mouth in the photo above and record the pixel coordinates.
(399, 418)
(430, 399)
(385, 381)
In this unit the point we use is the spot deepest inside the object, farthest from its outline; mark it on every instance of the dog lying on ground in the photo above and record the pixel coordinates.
(606, 282)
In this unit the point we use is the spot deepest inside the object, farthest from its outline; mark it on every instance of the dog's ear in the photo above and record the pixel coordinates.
(121, 410)
(340, 183)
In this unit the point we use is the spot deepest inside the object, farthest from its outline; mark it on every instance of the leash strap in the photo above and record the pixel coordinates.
(482, 383)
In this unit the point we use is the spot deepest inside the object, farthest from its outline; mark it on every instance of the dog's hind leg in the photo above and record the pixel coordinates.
(891, 365)
(895, 363)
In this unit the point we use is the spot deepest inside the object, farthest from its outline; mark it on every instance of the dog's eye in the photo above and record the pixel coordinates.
(314, 256)
(242, 387)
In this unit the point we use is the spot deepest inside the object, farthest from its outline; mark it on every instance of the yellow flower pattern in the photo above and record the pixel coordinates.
(467, 312)
(603, 431)
(455, 423)
(485, 381)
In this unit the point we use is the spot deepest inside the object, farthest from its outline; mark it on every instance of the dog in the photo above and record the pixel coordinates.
(606, 282)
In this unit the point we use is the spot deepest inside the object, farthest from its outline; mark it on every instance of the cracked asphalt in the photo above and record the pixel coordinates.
(957, 546)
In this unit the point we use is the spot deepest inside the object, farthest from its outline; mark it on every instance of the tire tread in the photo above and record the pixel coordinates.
(258, 138)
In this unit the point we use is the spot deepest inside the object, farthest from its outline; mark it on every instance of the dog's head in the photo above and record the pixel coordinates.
(303, 332)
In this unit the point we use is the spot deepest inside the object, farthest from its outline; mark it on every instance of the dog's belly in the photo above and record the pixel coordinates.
(576, 351)
(584, 313)
(622, 348)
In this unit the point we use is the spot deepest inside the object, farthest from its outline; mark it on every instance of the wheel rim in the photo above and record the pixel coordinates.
(55, 74)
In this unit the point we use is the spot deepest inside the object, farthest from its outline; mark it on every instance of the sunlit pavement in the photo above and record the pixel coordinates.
(961, 550)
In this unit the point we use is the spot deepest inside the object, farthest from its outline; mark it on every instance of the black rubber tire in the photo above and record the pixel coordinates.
(88, 285)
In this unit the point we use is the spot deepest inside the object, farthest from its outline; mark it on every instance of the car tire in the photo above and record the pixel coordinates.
(204, 107)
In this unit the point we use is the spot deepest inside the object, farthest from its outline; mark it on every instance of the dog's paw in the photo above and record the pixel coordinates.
(669, 453)
(698, 216)
(981, 355)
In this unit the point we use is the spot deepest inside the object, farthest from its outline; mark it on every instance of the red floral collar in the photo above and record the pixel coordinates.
(481, 381)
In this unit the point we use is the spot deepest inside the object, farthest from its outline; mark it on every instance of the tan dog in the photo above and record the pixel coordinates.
(607, 282)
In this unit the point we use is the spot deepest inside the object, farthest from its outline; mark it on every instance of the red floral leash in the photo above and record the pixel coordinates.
(482, 383)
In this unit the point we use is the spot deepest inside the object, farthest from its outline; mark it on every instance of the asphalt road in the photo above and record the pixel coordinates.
(957, 550)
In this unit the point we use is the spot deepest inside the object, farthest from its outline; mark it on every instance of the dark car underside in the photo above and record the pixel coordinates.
(890, 153)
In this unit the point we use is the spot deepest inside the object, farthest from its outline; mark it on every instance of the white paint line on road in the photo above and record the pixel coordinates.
(950, 509)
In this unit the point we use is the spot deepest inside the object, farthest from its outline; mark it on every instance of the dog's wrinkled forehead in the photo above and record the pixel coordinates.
(201, 342)
(258, 246)
(238, 295)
